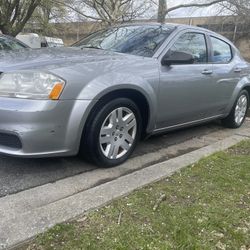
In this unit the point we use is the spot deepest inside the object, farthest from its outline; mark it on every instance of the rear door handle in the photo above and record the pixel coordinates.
(237, 70)
(207, 72)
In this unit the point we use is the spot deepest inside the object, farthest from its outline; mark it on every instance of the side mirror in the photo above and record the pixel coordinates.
(177, 58)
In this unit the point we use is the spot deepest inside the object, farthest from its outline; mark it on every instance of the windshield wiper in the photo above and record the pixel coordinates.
(90, 47)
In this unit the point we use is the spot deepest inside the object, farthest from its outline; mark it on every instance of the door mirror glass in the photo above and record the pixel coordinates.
(177, 57)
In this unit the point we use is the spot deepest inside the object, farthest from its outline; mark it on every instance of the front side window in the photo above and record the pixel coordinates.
(136, 40)
(192, 43)
(9, 44)
(221, 52)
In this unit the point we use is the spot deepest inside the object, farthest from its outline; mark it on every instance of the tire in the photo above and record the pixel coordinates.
(238, 113)
(108, 140)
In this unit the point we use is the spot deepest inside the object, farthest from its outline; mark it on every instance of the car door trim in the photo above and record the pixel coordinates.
(188, 123)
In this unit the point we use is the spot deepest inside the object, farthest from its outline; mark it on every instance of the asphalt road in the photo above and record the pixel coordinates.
(20, 174)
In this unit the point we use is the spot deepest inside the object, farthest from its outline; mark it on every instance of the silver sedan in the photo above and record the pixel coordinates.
(99, 97)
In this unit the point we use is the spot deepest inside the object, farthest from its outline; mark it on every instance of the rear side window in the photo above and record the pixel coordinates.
(221, 51)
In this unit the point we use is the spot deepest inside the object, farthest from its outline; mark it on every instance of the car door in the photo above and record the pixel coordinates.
(187, 92)
(228, 69)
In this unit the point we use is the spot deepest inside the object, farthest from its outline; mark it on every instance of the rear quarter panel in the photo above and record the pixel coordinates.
(243, 79)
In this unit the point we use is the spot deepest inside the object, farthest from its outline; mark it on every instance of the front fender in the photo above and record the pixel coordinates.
(108, 83)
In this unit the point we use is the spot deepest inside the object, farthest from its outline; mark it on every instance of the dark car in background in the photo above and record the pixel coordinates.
(11, 43)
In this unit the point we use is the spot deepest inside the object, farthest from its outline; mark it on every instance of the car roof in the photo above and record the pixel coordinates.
(7, 36)
(174, 25)
(210, 32)
(179, 27)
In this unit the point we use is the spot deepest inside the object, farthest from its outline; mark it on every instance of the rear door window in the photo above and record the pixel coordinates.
(221, 51)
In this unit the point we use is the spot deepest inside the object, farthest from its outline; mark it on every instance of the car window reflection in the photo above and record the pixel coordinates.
(135, 40)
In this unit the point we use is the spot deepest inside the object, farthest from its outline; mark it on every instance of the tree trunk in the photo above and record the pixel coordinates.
(17, 14)
(162, 8)
(7, 30)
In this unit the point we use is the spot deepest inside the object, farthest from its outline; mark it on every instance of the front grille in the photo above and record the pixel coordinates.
(11, 141)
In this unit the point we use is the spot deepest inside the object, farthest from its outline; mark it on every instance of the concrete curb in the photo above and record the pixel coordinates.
(20, 228)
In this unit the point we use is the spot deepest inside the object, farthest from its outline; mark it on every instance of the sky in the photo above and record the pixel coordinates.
(190, 12)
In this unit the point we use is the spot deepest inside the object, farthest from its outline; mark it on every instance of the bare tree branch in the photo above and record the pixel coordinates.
(203, 5)
(108, 11)
(14, 14)
(163, 10)
(76, 10)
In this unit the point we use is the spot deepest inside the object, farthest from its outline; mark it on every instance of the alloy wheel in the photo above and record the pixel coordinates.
(118, 133)
(241, 109)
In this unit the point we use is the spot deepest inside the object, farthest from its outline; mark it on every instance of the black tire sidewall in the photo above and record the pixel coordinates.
(95, 125)
(230, 120)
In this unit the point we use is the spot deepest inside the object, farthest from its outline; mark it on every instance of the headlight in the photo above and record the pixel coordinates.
(31, 85)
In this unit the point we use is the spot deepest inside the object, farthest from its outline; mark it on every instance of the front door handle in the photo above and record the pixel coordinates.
(207, 72)
(237, 70)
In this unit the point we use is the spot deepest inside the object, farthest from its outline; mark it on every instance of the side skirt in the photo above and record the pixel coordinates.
(184, 125)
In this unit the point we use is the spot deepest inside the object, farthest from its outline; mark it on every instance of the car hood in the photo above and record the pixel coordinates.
(49, 58)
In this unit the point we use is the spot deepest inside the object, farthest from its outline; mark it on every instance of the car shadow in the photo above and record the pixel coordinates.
(18, 174)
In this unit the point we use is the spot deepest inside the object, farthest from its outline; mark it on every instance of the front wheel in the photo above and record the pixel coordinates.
(238, 113)
(112, 134)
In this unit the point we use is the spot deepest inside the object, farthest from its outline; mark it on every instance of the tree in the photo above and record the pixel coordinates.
(240, 10)
(163, 9)
(14, 14)
(47, 13)
(108, 11)
(239, 7)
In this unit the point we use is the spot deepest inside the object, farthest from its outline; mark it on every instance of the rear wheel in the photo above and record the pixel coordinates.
(238, 113)
(112, 134)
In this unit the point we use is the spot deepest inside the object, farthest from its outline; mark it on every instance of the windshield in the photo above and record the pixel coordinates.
(9, 44)
(136, 40)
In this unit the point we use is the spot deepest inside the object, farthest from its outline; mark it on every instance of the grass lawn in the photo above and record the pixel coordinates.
(205, 206)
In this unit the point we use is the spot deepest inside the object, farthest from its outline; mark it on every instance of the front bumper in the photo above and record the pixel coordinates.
(41, 128)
